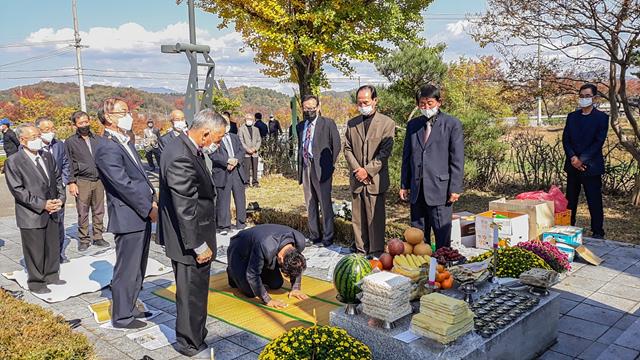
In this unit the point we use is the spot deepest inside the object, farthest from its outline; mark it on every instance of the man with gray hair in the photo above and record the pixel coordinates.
(36, 184)
(187, 225)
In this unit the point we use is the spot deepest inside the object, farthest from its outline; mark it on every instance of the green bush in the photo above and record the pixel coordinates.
(28, 331)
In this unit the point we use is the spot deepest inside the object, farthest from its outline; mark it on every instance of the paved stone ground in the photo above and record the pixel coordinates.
(600, 306)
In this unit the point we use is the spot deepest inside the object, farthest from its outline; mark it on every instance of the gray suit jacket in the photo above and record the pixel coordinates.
(371, 151)
(250, 140)
(30, 189)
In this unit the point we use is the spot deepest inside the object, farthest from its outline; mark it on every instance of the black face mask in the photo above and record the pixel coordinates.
(84, 130)
(310, 115)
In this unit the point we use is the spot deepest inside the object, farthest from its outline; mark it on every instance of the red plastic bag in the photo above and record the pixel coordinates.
(554, 194)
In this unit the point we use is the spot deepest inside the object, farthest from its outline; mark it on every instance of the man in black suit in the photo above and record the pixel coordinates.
(258, 257)
(36, 184)
(131, 208)
(178, 126)
(229, 178)
(262, 127)
(10, 141)
(583, 137)
(432, 166)
(275, 130)
(318, 150)
(233, 125)
(188, 226)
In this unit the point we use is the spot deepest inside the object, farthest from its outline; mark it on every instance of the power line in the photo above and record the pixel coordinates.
(38, 57)
(34, 44)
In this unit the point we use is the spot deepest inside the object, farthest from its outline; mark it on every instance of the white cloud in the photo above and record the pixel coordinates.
(458, 28)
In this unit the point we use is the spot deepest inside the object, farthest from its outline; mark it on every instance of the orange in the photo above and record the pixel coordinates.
(447, 283)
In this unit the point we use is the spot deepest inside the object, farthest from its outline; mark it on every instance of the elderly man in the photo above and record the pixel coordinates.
(131, 207)
(178, 126)
(35, 182)
(56, 149)
(368, 145)
(188, 225)
(251, 141)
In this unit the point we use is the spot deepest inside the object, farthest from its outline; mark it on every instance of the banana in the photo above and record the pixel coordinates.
(404, 261)
(413, 261)
(416, 260)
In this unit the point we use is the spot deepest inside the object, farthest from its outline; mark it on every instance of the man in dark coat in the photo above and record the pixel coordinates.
(10, 141)
(318, 150)
(178, 126)
(432, 166)
(132, 208)
(188, 226)
(257, 256)
(583, 137)
(229, 178)
(264, 129)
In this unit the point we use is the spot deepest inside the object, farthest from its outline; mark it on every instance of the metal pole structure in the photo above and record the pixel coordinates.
(192, 40)
(83, 101)
(539, 86)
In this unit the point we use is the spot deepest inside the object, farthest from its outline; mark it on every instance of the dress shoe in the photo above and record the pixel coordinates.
(101, 243)
(326, 243)
(191, 351)
(74, 323)
(597, 236)
(135, 324)
(144, 315)
(40, 290)
(83, 247)
(224, 232)
(56, 282)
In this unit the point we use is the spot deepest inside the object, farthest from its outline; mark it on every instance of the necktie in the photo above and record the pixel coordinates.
(427, 131)
(228, 146)
(41, 169)
(307, 141)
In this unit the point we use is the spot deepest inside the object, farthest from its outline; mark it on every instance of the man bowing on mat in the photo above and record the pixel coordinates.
(188, 225)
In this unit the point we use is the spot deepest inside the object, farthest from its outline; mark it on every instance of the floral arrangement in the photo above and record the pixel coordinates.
(558, 260)
(315, 343)
(513, 261)
(342, 210)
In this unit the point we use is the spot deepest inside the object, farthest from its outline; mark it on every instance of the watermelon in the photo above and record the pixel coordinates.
(347, 273)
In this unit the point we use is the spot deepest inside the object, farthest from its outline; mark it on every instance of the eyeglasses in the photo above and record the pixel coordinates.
(587, 96)
(309, 109)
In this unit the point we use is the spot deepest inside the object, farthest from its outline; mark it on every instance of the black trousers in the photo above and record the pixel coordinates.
(132, 253)
(192, 293)
(251, 167)
(593, 192)
(318, 193)
(61, 232)
(150, 154)
(437, 217)
(41, 250)
(233, 186)
(271, 279)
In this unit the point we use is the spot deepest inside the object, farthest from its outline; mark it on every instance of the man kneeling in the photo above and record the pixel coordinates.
(258, 255)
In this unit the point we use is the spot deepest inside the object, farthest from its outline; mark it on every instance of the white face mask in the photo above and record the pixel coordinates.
(429, 113)
(249, 122)
(35, 145)
(365, 110)
(585, 102)
(126, 122)
(210, 149)
(180, 125)
(48, 137)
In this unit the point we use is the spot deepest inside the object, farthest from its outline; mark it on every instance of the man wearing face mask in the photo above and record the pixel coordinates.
(188, 225)
(151, 144)
(583, 138)
(432, 166)
(318, 150)
(368, 145)
(229, 178)
(251, 141)
(35, 182)
(84, 182)
(56, 149)
(178, 126)
(132, 208)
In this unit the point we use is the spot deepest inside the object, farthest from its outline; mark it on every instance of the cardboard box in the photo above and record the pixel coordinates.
(569, 235)
(567, 249)
(541, 213)
(563, 218)
(514, 227)
(460, 225)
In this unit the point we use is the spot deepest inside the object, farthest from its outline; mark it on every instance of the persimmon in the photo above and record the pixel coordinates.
(447, 283)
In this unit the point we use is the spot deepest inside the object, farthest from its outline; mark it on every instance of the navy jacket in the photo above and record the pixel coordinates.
(219, 160)
(56, 148)
(584, 136)
(10, 142)
(438, 164)
(130, 194)
(264, 129)
(325, 148)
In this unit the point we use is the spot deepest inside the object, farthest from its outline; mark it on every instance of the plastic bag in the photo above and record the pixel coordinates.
(554, 194)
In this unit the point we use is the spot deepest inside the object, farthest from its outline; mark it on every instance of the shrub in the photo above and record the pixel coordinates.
(28, 331)
(315, 343)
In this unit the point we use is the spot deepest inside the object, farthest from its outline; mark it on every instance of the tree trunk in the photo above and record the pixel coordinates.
(635, 195)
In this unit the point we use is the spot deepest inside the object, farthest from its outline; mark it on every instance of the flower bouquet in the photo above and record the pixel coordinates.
(558, 260)
(513, 261)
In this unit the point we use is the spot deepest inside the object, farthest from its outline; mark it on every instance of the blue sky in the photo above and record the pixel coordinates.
(124, 38)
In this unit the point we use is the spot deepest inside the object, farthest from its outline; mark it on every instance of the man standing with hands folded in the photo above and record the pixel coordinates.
(187, 224)
(36, 184)
(131, 207)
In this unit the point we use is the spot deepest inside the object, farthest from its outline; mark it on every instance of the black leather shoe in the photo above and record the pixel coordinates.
(327, 243)
(83, 247)
(144, 315)
(74, 323)
(41, 290)
(101, 243)
(56, 282)
(135, 324)
(191, 351)
(597, 236)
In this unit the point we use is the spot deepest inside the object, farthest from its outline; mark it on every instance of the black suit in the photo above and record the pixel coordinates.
(316, 174)
(187, 221)
(165, 139)
(229, 182)
(432, 171)
(10, 142)
(38, 229)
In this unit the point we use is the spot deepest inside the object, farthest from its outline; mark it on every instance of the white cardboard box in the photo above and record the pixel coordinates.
(514, 227)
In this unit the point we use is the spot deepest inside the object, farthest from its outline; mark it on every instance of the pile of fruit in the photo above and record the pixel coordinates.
(513, 261)
(444, 280)
(412, 266)
(347, 273)
(447, 254)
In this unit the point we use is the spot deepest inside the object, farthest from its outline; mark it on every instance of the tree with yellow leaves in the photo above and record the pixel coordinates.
(294, 39)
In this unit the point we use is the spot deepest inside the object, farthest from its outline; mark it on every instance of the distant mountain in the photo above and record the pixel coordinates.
(159, 90)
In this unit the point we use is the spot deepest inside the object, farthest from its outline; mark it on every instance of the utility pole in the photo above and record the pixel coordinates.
(76, 44)
(539, 86)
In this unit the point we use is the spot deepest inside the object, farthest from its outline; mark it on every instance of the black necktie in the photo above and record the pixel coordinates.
(41, 169)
